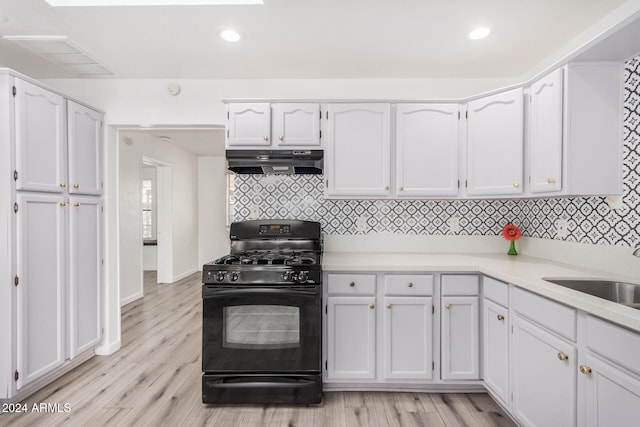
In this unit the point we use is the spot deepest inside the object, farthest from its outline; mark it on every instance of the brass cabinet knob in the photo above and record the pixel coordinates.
(551, 181)
(410, 285)
(500, 317)
(281, 138)
(63, 204)
(447, 306)
(372, 306)
(563, 356)
(516, 184)
(388, 305)
(585, 369)
(63, 185)
(352, 284)
(266, 138)
(401, 189)
(76, 204)
(386, 187)
(76, 185)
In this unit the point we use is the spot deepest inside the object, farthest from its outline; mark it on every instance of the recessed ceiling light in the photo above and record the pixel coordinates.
(479, 33)
(150, 2)
(230, 35)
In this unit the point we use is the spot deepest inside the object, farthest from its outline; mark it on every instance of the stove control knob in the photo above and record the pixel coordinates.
(220, 276)
(287, 276)
(234, 276)
(303, 276)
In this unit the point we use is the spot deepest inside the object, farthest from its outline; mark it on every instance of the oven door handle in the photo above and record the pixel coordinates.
(225, 293)
(261, 384)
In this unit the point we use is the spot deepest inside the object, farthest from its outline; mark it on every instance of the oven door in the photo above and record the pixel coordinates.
(261, 330)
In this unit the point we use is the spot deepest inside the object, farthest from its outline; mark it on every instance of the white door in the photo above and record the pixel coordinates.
(249, 124)
(85, 273)
(459, 336)
(612, 396)
(545, 131)
(408, 338)
(427, 149)
(495, 341)
(296, 124)
(358, 150)
(351, 338)
(40, 243)
(40, 138)
(543, 377)
(85, 149)
(495, 144)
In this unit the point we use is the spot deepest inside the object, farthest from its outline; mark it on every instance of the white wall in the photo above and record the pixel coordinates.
(213, 237)
(185, 211)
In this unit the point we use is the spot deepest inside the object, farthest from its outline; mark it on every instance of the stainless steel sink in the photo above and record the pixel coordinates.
(621, 292)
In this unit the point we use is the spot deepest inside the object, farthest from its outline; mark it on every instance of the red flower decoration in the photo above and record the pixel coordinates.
(511, 232)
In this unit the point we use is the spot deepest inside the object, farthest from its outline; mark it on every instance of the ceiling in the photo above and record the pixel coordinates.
(303, 39)
(198, 141)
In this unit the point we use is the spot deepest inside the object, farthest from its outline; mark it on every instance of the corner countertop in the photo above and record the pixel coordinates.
(523, 271)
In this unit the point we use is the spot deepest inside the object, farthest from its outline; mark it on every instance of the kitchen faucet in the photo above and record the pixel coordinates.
(637, 252)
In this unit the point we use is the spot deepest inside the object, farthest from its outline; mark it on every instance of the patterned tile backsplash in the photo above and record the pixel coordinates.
(590, 219)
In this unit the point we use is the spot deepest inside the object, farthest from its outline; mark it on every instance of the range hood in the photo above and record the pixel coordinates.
(275, 161)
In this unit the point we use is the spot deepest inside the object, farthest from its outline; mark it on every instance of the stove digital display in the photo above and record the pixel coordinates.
(274, 229)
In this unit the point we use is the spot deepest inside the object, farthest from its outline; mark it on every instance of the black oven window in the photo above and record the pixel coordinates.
(259, 327)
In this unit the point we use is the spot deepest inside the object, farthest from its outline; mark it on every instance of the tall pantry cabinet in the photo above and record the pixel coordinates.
(51, 216)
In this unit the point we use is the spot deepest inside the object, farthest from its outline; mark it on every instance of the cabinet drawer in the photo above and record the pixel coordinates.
(460, 285)
(613, 342)
(554, 316)
(496, 291)
(408, 284)
(351, 284)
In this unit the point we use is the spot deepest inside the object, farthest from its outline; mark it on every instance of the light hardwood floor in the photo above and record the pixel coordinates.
(154, 380)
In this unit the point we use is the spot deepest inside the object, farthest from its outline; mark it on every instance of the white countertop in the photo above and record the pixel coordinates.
(523, 271)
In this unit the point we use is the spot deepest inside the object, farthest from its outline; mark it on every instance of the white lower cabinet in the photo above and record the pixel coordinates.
(495, 338)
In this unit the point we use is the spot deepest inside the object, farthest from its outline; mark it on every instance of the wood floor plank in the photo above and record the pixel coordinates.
(155, 379)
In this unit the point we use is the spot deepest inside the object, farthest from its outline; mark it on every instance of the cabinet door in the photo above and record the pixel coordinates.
(496, 348)
(296, 124)
(495, 144)
(543, 377)
(358, 150)
(40, 311)
(85, 273)
(85, 149)
(427, 149)
(408, 338)
(40, 138)
(612, 396)
(351, 338)
(249, 124)
(460, 345)
(545, 131)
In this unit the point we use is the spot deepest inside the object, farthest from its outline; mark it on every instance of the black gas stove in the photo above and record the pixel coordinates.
(262, 305)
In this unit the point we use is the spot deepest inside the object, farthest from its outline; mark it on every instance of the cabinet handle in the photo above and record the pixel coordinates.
(411, 285)
(281, 138)
(63, 204)
(63, 185)
(352, 284)
(447, 306)
(76, 204)
(516, 184)
(563, 356)
(585, 369)
(386, 187)
(401, 189)
(500, 317)
(76, 185)
(551, 181)
(266, 138)
(389, 306)
(372, 306)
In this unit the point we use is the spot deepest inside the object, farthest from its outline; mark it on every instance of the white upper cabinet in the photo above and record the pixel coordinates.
(358, 150)
(249, 124)
(495, 144)
(426, 150)
(85, 149)
(40, 138)
(296, 124)
(546, 133)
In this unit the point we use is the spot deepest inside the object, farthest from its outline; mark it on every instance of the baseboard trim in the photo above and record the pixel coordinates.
(131, 298)
(109, 348)
(185, 274)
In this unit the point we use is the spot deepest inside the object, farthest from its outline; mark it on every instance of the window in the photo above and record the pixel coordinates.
(148, 210)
